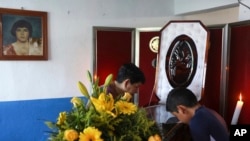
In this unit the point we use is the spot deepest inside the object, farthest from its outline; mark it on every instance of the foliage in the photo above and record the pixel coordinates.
(103, 118)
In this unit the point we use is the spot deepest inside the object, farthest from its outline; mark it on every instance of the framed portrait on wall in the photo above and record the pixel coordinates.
(23, 35)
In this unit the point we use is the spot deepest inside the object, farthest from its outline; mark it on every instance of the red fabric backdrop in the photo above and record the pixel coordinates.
(145, 63)
(239, 72)
(113, 49)
(211, 96)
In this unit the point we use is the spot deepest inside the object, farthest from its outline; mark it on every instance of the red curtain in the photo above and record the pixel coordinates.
(239, 72)
(146, 61)
(113, 48)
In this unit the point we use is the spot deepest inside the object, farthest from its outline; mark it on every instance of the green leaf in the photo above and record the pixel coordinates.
(89, 76)
(49, 124)
(83, 89)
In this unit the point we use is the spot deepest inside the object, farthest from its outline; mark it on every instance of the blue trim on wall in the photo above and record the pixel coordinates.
(24, 120)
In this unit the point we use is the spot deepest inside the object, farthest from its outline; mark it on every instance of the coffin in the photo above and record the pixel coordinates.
(181, 63)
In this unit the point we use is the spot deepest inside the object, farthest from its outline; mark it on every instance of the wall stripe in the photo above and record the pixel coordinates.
(24, 120)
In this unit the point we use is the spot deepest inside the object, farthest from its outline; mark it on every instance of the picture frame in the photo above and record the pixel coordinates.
(23, 34)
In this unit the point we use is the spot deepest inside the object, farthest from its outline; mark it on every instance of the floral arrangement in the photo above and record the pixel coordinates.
(103, 118)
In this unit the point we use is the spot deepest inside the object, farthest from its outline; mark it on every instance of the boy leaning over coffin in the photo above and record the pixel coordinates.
(205, 124)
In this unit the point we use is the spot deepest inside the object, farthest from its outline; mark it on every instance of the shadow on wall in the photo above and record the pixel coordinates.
(24, 120)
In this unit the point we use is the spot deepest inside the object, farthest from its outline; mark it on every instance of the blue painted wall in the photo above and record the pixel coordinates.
(24, 120)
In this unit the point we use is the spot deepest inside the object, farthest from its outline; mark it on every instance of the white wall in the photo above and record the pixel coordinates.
(223, 16)
(196, 6)
(214, 11)
(244, 10)
(70, 41)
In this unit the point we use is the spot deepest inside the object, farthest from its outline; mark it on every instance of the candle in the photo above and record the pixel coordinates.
(237, 111)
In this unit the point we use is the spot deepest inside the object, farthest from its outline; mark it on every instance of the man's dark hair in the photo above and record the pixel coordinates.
(21, 23)
(180, 96)
(132, 72)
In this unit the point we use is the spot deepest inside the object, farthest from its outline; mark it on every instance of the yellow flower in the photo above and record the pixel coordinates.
(61, 118)
(126, 107)
(76, 101)
(83, 121)
(90, 134)
(105, 102)
(70, 135)
(127, 96)
(156, 137)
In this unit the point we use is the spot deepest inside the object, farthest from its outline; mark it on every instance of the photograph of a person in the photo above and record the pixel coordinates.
(22, 35)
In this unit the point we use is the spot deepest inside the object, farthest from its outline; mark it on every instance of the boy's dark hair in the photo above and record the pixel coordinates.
(132, 72)
(180, 96)
(21, 23)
